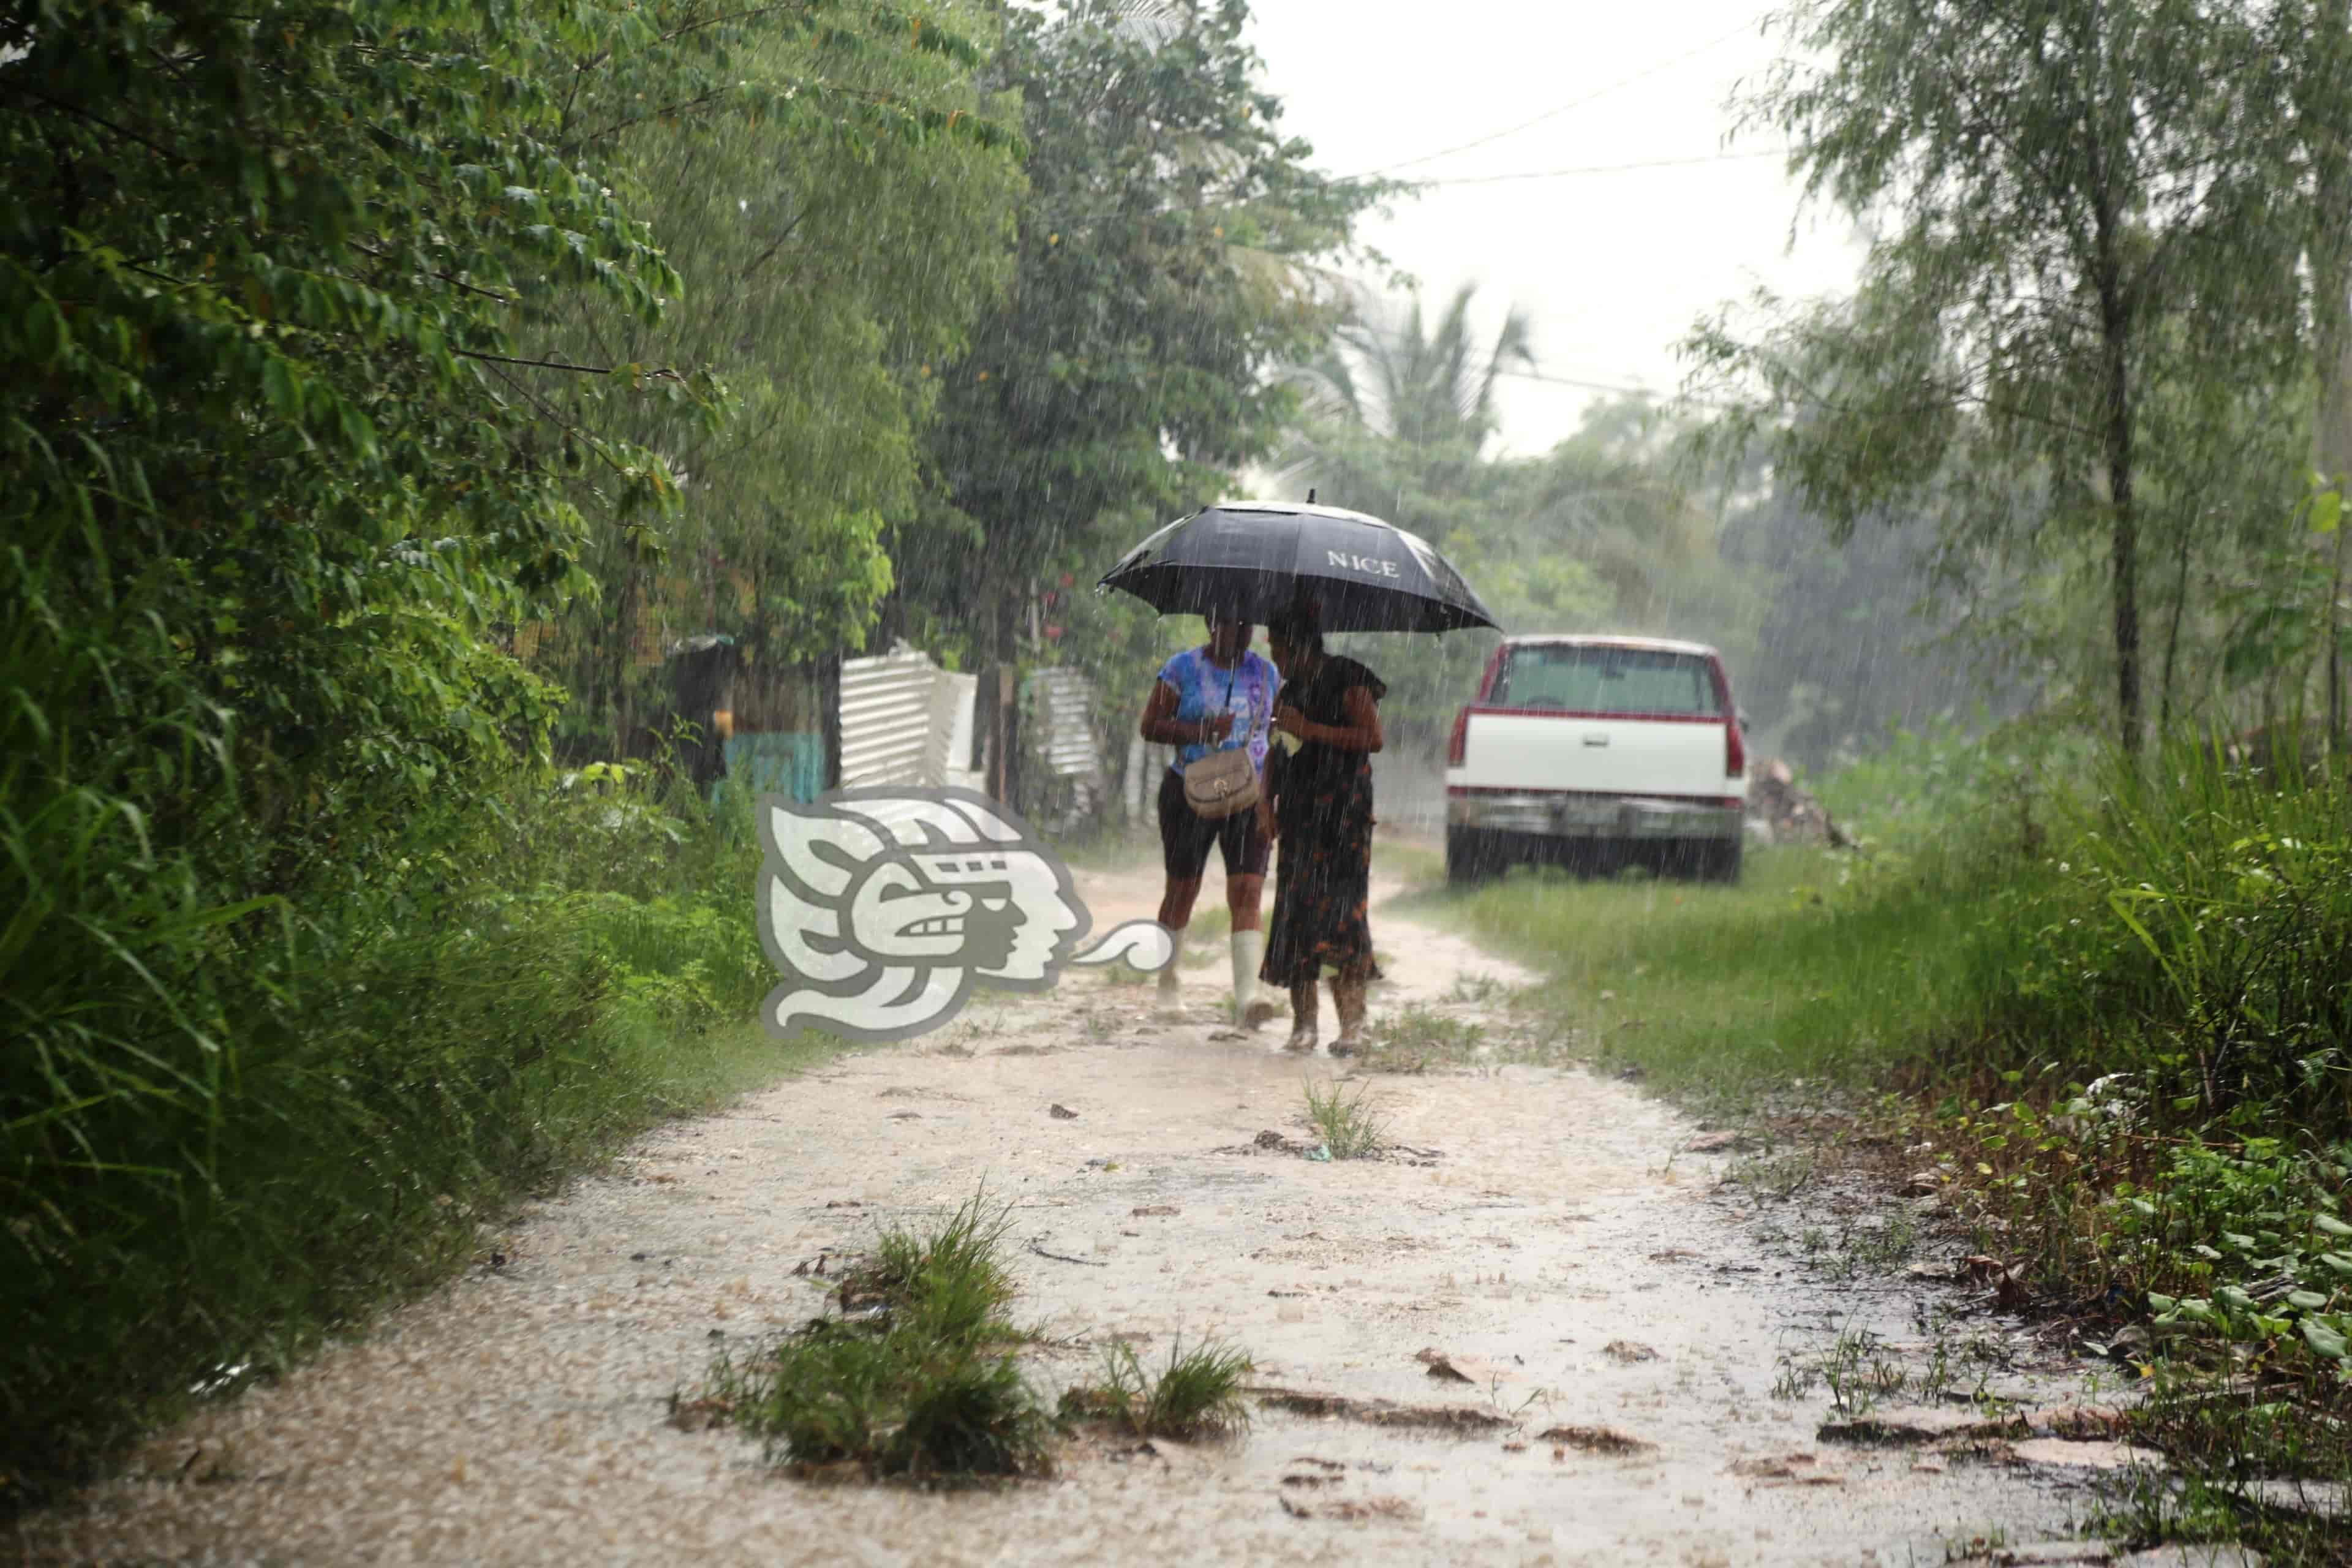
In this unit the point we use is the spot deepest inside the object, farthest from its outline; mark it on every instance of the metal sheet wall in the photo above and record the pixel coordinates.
(890, 728)
(901, 715)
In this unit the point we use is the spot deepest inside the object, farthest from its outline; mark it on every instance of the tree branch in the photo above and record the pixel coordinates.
(662, 375)
(99, 120)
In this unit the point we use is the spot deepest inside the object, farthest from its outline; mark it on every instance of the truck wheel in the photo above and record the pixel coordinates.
(1719, 861)
(1471, 857)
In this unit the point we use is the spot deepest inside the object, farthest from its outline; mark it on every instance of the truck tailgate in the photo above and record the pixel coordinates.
(1642, 756)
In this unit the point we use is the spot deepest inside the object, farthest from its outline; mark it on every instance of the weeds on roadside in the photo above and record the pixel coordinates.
(1349, 1125)
(2239, 1442)
(1862, 1373)
(1411, 1038)
(1775, 1175)
(1476, 989)
(1196, 1395)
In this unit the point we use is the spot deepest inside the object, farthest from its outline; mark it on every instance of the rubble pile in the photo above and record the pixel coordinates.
(1779, 811)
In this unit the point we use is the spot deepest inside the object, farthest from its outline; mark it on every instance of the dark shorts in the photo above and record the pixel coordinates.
(1185, 837)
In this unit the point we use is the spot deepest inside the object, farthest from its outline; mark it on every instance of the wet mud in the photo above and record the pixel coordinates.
(1552, 1336)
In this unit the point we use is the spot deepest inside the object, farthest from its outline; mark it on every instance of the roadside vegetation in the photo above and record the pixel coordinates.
(2100, 1008)
(402, 1063)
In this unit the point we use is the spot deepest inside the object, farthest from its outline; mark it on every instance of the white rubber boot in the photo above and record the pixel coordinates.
(1249, 951)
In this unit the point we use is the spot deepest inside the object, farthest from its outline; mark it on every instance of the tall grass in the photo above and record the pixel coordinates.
(233, 1129)
(2177, 920)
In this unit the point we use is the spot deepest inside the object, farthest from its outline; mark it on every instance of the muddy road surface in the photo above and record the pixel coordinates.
(1548, 1234)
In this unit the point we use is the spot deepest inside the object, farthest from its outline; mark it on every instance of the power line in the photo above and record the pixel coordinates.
(1607, 168)
(1668, 397)
(1585, 386)
(1553, 114)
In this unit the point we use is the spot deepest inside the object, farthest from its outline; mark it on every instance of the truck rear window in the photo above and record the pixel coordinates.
(1589, 679)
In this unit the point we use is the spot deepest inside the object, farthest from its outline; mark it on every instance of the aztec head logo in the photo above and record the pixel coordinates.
(883, 908)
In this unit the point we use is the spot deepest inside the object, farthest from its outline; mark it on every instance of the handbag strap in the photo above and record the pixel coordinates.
(1231, 675)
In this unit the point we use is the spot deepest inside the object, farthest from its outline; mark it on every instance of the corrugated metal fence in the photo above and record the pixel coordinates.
(892, 732)
(904, 722)
(1062, 720)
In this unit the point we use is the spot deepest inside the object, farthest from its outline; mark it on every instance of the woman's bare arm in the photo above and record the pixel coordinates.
(1160, 727)
(1362, 733)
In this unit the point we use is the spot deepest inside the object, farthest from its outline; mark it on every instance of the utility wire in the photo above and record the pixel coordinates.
(1606, 168)
(1664, 398)
(1552, 114)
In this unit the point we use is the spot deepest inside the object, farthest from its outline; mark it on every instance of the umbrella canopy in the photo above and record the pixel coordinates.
(1249, 559)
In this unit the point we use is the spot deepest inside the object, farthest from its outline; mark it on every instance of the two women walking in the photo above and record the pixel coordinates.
(1310, 722)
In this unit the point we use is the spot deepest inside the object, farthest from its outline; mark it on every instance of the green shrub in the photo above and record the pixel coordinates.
(279, 1117)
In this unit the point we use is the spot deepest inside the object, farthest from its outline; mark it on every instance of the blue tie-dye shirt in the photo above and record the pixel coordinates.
(1200, 691)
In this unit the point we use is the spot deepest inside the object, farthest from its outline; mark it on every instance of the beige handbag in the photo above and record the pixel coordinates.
(1226, 780)
(1222, 783)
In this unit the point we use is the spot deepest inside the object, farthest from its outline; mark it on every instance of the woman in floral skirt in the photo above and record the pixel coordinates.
(1320, 774)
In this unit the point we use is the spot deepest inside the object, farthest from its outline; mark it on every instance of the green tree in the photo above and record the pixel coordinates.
(847, 211)
(289, 436)
(2078, 204)
(1167, 263)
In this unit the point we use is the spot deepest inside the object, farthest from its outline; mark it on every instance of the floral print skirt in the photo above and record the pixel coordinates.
(1322, 889)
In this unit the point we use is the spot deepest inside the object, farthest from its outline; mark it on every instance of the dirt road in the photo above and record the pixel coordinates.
(1544, 1231)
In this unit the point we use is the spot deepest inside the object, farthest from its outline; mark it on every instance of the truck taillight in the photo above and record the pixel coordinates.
(1735, 749)
(1493, 668)
(1459, 744)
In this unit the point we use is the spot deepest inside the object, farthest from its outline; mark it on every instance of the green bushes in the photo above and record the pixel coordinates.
(269, 1121)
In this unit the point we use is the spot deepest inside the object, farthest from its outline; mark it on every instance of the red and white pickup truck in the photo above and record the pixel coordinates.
(1597, 751)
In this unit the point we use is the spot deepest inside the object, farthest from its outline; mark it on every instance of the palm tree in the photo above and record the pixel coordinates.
(1389, 372)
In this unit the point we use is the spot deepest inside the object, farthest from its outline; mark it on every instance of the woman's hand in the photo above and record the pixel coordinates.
(1160, 726)
(1266, 822)
(1289, 721)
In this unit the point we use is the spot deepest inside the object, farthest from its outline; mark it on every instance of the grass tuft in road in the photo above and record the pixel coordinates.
(951, 1283)
(1349, 1125)
(1197, 1395)
(920, 1384)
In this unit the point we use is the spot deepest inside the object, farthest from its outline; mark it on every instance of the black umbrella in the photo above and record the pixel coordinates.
(1249, 559)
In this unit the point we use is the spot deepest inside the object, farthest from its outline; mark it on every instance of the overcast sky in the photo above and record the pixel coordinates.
(1613, 267)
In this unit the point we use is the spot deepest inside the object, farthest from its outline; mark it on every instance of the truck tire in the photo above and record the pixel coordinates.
(1719, 861)
(1472, 856)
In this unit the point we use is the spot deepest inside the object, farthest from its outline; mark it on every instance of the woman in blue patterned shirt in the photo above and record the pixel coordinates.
(1217, 695)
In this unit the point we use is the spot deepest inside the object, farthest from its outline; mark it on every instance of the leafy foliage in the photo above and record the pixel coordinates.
(1165, 260)
(298, 969)
(2081, 200)
(846, 203)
